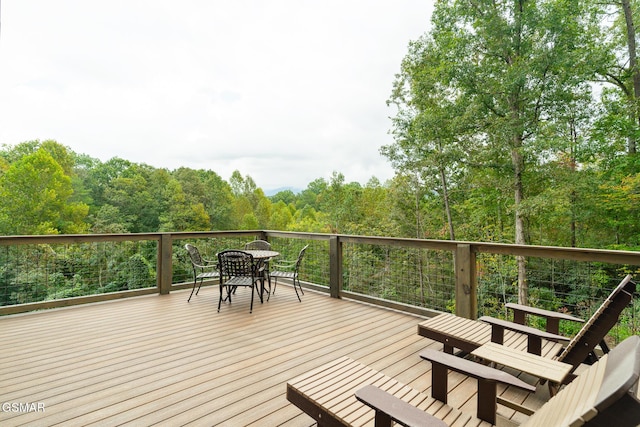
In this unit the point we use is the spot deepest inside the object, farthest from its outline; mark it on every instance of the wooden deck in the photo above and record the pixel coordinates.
(160, 360)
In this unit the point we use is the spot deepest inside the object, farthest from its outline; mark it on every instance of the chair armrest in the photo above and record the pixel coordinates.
(390, 408)
(517, 327)
(534, 336)
(207, 264)
(284, 264)
(552, 317)
(474, 369)
(487, 377)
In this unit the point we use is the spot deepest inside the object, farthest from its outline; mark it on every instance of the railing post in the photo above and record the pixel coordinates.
(335, 266)
(466, 282)
(165, 267)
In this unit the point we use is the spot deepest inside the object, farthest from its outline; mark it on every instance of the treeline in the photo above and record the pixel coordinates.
(46, 188)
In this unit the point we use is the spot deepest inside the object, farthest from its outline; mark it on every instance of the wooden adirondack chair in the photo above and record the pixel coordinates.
(470, 335)
(342, 392)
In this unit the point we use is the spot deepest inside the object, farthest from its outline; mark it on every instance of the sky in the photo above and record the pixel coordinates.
(284, 91)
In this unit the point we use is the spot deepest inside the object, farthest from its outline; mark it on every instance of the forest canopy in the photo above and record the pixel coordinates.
(46, 188)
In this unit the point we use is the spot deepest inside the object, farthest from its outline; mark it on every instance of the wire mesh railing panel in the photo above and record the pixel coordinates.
(42, 272)
(419, 277)
(577, 288)
(422, 274)
(314, 267)
(207, 246)
(315, 263)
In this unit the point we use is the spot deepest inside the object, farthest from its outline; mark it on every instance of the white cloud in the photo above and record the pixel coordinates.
(284, 91)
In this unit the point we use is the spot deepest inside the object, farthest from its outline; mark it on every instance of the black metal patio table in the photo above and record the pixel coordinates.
(262, 256)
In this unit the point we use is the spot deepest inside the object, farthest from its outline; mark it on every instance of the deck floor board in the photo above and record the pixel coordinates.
(157, 359)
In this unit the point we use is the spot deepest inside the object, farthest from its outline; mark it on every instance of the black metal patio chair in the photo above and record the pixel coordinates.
(239, 270)
(289, 270)
(202, 268)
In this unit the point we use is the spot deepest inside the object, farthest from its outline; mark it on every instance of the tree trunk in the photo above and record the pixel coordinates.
(635, 73)
(573, 198)
(518, 166)
(445, 196)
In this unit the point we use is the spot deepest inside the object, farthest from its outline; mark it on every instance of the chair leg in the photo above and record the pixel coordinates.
(269, 283)
(258, 288)
(220, 300)
(294, 288)
(275, 283)
(224, 288)
(251, 308)
(296, 281)
(193, 289)
(299, 285)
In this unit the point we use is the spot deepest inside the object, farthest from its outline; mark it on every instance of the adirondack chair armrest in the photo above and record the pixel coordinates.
(552, 317)
(487, 377)
(534, 336)
(390, 408)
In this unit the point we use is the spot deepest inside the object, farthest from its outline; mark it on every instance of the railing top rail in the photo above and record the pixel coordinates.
(298, 235)
(76, 238)
(203, 234)
(578, 254)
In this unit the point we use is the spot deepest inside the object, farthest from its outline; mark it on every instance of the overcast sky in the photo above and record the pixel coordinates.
(286, 91)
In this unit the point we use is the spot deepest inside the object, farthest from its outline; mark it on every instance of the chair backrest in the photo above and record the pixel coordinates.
(604, 394)
(235, 263)
(194, 255)
(600, 323)
(300, 256)
(259, 245)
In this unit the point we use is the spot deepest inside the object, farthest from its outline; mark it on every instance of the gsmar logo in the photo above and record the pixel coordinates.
(22, 407)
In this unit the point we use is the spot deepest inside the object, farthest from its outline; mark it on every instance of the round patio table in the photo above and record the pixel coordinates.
(263, 256)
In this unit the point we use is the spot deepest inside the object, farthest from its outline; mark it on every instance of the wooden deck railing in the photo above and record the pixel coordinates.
(330, 257)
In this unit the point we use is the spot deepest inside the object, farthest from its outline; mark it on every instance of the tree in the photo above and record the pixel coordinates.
(35, 195)
(310, 195)
(281, 215)
(432, 124)
(287, 196)
(218, 201)
(181, 213)
(515, 62)
(131, 195)
(619, 68)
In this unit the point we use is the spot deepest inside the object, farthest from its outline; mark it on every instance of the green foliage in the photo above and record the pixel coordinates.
(139, 273)
(35, 194)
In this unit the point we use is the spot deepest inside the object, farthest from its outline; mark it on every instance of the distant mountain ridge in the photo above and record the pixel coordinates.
(275, 191)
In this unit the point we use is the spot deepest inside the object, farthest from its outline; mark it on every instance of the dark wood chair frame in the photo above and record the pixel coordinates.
(607, 393)
(616, 397)
(580, 348)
